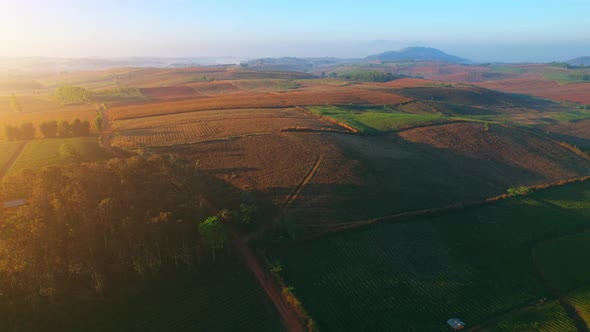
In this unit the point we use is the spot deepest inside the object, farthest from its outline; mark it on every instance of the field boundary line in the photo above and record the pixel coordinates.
(434, 211)
(12, 159)
(300, 187)
(565, 303)
(328, 119)
(289, 317)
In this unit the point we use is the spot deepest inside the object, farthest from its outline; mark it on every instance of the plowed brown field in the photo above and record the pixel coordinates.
(258, 100)
(190, 127)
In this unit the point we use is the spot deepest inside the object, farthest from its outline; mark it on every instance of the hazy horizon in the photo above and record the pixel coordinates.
(502, 31)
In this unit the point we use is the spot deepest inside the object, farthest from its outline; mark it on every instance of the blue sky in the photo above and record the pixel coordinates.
(481, 30)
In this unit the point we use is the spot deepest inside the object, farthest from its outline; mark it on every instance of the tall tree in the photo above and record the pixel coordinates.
(14, 104)
(214, 233)
(27, 130)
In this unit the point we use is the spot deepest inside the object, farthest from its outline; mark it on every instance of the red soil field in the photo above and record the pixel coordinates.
(537, 86)
(169, 92)
(258, 100)
(215, 87)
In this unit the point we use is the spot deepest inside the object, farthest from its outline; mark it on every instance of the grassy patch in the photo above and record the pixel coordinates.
(564, 76)
(46, 152)
(507, 69)
(223, 297)
(473, 264)
(7, 149)
(120, 95)
(376, 120)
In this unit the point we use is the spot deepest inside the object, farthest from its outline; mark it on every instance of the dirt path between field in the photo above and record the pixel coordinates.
(501, 318)
(12, 159)
(289, 317)
(569, 308)
(300, 187)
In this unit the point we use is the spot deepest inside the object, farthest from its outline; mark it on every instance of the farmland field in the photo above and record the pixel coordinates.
(580, 298)
(258, 100)
(370, 121)
(562, 259)
(39, 153)
(7, 150)
(547, 317)
(222, 297)
(413, 276)
(203, 125)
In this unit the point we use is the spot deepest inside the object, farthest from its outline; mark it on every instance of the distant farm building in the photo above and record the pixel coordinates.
(456, 324)
(15, 203)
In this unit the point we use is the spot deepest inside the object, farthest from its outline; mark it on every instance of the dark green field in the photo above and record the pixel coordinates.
(474, 264)
(222, 297)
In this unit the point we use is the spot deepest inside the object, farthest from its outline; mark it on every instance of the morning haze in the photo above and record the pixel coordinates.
(294, 166)
(258, 28)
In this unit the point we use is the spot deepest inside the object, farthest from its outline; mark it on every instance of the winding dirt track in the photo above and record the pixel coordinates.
(289, 317)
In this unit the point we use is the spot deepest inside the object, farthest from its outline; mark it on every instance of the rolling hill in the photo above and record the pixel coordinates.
(417, 54)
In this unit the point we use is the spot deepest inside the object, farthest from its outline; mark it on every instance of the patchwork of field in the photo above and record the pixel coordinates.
(543, 88)
(224, 297)
(414, 275)
(258, 100)
(40, 153)
(182, 128)
(316, 181)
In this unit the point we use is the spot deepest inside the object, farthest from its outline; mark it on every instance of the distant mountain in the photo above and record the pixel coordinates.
(417, 53)
(580, 61)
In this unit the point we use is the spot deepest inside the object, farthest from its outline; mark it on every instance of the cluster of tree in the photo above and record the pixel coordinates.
(49, 129)
(77, 128)
(580, 77)
(24, 131)
(14, 104)
(74, 95)
(98, 120)
(90, 228)
(371, 76)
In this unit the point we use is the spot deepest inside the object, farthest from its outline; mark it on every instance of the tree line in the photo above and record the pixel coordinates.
(49, 129)
(371, 76)
(90, 228)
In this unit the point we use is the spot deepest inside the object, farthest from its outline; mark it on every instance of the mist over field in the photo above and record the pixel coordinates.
(298, 166)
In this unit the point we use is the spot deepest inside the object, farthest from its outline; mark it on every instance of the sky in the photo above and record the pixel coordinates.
(498, 30)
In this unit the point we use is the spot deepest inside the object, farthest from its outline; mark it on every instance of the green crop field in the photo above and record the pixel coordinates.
(548, 317)
(580, 298)
(7, 150)
(564, 261)
(474, 264)
(223, 297)
(375, 120)
(46, 152)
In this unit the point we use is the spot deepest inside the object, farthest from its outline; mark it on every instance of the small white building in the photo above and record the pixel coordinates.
(456, 324)
(15, 203)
